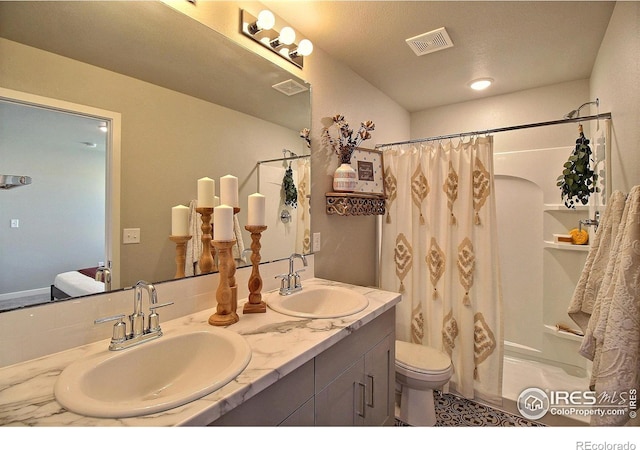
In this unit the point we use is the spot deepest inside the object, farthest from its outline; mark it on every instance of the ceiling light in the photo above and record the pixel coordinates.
(480, 84)
(103, 127)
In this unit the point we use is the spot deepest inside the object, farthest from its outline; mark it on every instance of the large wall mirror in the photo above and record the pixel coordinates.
(190, 104)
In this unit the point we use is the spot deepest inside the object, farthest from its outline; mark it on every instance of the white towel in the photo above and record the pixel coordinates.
(586, 292)
(194, 245)
(612, 338)
(238, 247)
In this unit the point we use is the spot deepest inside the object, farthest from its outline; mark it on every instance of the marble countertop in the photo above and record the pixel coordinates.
(280, 344)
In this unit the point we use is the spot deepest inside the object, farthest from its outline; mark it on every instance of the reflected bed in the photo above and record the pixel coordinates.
(76, 283)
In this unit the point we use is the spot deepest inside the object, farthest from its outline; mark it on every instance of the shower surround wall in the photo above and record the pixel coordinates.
(538, 276)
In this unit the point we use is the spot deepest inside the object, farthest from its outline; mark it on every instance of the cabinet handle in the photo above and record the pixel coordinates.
(363, 388)
(371, 377)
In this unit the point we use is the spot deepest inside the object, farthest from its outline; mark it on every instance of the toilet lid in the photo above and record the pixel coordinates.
(419, 358)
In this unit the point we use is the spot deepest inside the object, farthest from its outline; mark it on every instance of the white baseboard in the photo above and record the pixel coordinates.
(29, 293)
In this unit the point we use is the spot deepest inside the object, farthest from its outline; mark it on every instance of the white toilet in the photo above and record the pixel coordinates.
(420, 370)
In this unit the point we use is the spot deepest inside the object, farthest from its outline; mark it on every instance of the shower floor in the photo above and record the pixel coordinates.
(520, 374)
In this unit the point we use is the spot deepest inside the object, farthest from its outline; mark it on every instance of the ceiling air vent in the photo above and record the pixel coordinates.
(430, 42)
(290, 87)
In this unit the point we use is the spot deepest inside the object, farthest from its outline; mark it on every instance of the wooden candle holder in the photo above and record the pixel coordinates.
(232, 269)
(225, 312)
(206, 259)
(255, 303)
(181, 253)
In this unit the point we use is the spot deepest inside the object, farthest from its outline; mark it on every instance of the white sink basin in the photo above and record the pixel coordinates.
(154, 376)
(318, 302)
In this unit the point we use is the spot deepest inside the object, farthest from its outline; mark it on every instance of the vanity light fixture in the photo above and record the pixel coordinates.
(261, 29)
(480, 84)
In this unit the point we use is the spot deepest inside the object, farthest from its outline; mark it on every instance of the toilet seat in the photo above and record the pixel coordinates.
(420, 359)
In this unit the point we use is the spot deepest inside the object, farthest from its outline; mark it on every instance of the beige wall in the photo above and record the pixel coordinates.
(616, 81)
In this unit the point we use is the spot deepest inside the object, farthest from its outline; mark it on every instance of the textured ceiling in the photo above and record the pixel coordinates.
(520, 44)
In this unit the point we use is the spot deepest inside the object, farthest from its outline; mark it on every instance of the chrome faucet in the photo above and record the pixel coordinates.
(290, 282)
(104, 274)
(139, 333)
(590, 222)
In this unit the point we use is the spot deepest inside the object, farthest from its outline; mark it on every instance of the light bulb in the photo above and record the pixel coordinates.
(287, 36)
(266, 20)
(305, 47)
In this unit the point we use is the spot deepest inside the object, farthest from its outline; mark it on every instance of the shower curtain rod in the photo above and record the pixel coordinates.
(283, 159)
(498, 130)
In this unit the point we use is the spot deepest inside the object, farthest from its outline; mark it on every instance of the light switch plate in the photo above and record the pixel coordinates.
(131, 236)
(316, 242)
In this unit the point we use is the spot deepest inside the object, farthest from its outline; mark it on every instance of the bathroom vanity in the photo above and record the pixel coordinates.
(303, 371)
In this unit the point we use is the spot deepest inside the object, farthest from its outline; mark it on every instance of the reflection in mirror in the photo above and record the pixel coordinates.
(285, 184)
(58, 221)
(195, 105)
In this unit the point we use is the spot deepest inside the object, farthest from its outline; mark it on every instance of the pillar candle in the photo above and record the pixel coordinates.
(223, 218)
(216, 201)
(180, 221)
(256, 210)
(206, 192)
(229, 190)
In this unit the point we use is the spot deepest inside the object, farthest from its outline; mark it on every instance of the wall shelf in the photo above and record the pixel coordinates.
(568, 247)
(561, 207)
(355, 204)
(550, 329)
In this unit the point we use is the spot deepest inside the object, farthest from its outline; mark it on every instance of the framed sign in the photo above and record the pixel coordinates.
(369, 167)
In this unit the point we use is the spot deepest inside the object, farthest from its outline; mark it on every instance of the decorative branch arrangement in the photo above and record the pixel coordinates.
(578, 180)
(347, 140)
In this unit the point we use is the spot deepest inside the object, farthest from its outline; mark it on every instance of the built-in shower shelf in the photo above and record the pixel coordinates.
(551, 329)
(561, 207)
(568, 247)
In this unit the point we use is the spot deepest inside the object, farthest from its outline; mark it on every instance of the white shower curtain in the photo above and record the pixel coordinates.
(303, 218)
(439, 249)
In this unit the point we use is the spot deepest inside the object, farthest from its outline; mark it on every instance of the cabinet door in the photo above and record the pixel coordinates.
(302, 417)
(380, 383)
(341, 403)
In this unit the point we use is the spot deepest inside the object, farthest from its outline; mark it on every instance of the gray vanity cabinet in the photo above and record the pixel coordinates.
(355, 379)
(350, 383)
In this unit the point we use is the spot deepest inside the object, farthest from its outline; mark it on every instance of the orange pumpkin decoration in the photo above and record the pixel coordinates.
(579, 237)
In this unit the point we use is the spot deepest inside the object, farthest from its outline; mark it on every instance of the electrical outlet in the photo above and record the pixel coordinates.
(316, 242)
(131, 236)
